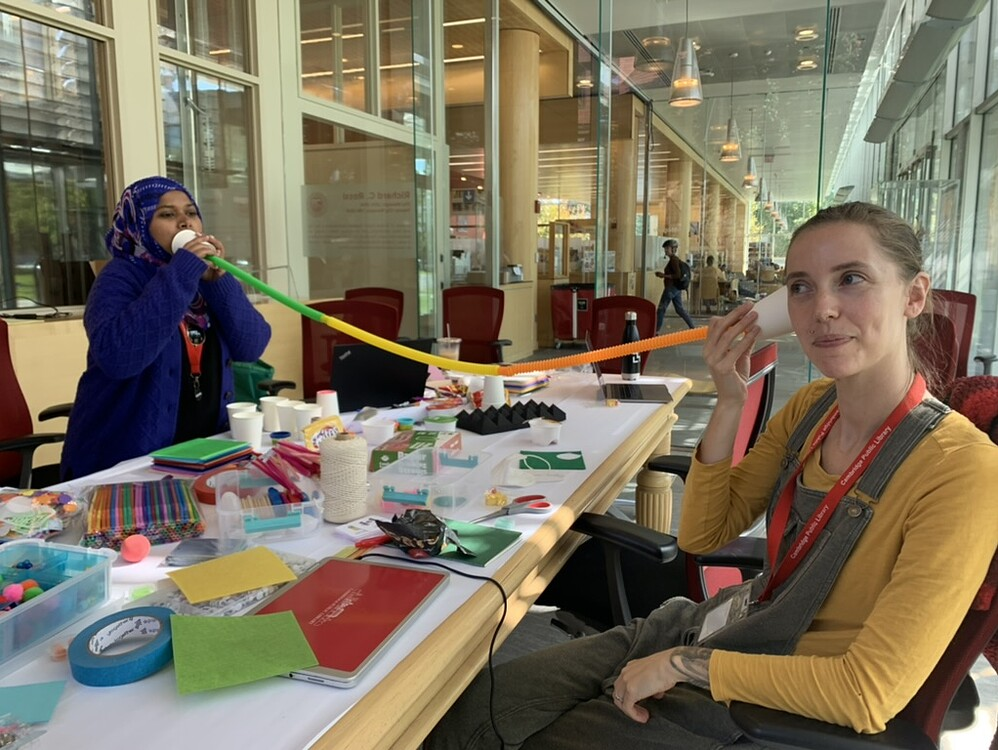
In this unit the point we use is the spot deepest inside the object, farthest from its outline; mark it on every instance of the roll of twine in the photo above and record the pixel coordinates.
(343, 477)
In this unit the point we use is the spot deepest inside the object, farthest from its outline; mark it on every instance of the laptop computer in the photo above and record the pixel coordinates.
(350, 610)
(365, 375)
(648, 393)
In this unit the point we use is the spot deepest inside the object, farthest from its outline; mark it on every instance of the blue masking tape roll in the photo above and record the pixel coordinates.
(91, 666)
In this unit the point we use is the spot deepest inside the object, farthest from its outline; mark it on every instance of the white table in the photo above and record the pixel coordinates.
(420, 674)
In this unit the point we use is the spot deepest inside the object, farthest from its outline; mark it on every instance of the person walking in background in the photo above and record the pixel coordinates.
(673, 291)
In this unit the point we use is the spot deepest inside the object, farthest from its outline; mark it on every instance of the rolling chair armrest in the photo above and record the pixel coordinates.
(743, 552)
(503, 342)
(53, 412)
(26, 445)
(628, 536)
(272, 386)
(986, 361)
(671, 464)
(778, 729)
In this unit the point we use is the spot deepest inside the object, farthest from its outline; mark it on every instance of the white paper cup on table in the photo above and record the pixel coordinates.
(268, 405)
(286, 415)
(305, 414)
(494, 392)
(328, 402)
(378, 431)
(544, 431)
(774, 319)
(247, 426)
(239, 406)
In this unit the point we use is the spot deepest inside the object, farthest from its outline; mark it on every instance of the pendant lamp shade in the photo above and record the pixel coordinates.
(658, 56)
(731, 149)
(686, 88)
(768, 205)
(751, 176)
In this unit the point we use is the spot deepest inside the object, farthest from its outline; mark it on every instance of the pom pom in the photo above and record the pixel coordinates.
(13, 592)
(29, 583)
(32, 593)
(135, 548)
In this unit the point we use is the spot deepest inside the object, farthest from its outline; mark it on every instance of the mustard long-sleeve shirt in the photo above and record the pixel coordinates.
(900, 597)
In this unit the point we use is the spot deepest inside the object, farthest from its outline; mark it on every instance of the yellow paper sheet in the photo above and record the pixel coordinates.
(243, 571)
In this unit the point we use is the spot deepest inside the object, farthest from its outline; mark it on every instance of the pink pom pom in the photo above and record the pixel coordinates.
(13, 592)
(135, 548)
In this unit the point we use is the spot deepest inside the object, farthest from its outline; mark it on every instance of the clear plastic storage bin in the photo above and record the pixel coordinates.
(74, 580)
(245, 512)
(426, 478)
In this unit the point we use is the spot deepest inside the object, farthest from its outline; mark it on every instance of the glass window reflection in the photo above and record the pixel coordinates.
(210, 29)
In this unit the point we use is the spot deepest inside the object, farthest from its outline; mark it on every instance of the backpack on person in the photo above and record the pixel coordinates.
(685, 274)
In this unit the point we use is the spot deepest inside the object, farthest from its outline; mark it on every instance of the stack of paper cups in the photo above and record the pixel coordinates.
(343, 477)
(328, 402)
(494, 393)
(286, 415)
(305, 414)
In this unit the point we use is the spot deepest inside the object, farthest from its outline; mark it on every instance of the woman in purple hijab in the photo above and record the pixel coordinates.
(164, 327)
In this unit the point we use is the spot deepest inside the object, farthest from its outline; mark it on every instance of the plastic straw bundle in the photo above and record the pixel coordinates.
(163, 511)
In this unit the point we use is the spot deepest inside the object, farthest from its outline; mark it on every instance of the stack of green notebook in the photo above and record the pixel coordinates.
(200, 454)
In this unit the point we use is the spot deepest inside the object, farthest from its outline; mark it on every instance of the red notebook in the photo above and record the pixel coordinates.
(350, 610)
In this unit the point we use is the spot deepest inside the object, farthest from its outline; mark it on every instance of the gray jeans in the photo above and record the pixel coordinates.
(561, 697)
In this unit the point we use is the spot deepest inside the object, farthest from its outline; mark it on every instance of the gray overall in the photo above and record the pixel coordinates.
(561, 697)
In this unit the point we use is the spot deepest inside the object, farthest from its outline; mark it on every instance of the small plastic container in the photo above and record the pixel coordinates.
(245, 510)
(74, 580)
(426, 478)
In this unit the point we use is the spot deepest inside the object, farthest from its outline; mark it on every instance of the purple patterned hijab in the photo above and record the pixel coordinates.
(129, 237)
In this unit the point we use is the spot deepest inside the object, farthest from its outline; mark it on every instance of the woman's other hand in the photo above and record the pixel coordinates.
(728, 349)
(655, 675)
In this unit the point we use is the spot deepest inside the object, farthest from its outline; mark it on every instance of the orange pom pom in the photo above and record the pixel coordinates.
(135, 548)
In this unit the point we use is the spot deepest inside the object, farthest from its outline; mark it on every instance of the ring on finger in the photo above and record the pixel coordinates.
(617, 698)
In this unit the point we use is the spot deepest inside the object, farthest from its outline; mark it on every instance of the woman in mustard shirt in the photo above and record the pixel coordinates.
(880, 515)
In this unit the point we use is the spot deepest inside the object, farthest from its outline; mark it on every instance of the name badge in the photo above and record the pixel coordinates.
(731, 610)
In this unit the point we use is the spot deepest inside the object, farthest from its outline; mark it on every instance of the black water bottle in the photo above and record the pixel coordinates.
(630, 366)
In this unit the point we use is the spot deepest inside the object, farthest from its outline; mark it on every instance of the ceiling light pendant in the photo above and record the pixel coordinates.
(687, 90)
(658, 57)
(768, 205)
(731, 149)
(751, 176)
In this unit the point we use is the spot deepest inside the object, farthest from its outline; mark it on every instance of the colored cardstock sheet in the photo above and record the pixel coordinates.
(233, 574)
(216, 652)
(485, 541)
(31, 704)
(553, 460)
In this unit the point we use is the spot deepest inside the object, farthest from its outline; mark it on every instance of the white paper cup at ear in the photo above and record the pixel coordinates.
(91, 666)
(268, 404)
(774, 319)
(247, 426)
(494, 392)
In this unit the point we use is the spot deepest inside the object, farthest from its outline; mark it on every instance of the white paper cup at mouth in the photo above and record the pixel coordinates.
(268, 405)
(286, 415)
(494, 392)
(181, 238)
(247, 426)
(328, 402)
(774, 319)
(239, 406)
(544, 431)
(378, 431)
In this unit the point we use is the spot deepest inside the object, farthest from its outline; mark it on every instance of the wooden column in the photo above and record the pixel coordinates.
(713, 229)
(519, 117)
(685, 206)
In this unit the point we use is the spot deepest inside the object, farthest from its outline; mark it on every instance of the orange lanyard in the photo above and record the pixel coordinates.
(819, 519)
(194, 342)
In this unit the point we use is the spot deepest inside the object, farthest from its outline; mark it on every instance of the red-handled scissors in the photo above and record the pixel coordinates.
(524, 504)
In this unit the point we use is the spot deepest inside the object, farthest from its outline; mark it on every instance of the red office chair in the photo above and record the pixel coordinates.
(960, 307)
(318, 340)
(392, 297)
(608, 325)
(939, 352)
(474, 315)
(17, 439)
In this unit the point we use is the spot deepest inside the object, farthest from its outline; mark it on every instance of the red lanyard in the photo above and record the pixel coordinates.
(194, 341)
(819, 519)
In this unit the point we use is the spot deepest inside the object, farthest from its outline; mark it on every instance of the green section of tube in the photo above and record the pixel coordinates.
(254, 282)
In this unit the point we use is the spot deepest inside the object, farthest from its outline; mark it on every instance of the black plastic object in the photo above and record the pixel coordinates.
(505, 418)
(630, 366)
